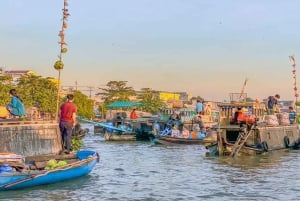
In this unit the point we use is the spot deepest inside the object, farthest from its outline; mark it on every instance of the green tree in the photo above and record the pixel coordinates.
(38, 91)
(116, 91)
(150, 99)
(85, 105)
(6, 79)
(4, 97)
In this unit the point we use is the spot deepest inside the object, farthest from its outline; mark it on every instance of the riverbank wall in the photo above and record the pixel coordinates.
(29, 138)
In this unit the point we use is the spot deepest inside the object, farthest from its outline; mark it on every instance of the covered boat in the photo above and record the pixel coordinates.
(252, 136)
(128, 130)
(17, 172)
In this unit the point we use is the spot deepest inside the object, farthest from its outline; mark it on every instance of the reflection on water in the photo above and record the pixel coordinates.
(260, 161)
(143, 171)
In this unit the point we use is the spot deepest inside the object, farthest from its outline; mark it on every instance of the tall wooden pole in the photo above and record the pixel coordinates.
(296, 95)
(59, 64)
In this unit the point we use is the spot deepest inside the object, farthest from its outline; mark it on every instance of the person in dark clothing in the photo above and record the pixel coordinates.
(272, 103)
(118, 120)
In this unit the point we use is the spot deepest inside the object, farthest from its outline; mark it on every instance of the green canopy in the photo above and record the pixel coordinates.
(120, 104)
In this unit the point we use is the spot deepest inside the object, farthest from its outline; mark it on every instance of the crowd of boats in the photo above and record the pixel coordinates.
(218, 131)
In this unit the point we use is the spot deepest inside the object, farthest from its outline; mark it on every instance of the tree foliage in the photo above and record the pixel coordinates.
(116, 91)
(42, 93)
(85, 106)
(4, 97)
(38, 91)
(150, 99)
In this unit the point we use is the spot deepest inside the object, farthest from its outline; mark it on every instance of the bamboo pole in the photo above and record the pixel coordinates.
(63, 49)
(296, 95)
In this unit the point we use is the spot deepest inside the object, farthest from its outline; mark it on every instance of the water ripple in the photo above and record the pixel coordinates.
(142, 171)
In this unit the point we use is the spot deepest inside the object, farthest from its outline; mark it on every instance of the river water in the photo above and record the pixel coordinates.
(147, 172)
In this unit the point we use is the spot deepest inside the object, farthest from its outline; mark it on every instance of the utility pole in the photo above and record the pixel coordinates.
(78, 88)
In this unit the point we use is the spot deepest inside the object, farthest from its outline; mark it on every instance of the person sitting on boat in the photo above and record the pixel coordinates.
(272, 103)
(235, 116)
(118, 120)
(175, 132)
(133, 114)
(292, 115)
(199, 121)
(242, 116)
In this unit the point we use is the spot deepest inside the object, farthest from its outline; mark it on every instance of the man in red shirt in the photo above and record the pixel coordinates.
(67, 122)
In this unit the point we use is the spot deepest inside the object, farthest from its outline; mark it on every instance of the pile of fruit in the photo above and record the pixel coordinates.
(52, 164)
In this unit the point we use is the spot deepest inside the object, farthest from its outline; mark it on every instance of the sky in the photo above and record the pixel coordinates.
(203, 47)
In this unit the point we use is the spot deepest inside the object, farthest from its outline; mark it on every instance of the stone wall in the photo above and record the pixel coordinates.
(30, 139)
(274, 136)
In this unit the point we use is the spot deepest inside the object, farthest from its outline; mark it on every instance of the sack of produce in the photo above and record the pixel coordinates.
(272, 120)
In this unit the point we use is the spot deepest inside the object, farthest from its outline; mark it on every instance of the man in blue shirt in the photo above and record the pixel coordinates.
(292, 115)
(199, 107)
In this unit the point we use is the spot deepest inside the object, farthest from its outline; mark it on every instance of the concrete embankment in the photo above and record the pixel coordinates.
(30, 138)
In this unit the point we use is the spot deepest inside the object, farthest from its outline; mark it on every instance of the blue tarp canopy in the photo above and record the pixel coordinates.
(120, 104)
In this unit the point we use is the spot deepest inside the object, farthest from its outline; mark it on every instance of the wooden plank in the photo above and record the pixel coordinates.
(49, 157)
(14, 164)
(41, 165)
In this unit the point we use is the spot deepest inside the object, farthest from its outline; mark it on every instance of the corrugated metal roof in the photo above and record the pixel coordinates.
(120, 104)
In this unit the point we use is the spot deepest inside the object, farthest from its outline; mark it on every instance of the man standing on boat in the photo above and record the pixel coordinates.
(199, 107)
(67, 122)
(272, 103)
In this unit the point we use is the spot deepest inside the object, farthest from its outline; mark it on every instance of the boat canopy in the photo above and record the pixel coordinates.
(124, 104)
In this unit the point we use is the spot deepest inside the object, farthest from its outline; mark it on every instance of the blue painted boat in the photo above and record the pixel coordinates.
(85, 162)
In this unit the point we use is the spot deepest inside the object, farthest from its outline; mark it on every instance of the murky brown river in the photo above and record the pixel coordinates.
(143, 171)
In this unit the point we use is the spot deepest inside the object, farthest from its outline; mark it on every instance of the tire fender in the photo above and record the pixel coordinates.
(265, 146)
(286, 141)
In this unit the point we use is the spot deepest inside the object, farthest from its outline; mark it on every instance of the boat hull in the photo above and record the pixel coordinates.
(263, 139)
(84, 166)
(176, 140)
(119, 136)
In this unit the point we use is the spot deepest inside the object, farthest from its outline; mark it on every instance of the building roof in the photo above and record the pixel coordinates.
(20, 72)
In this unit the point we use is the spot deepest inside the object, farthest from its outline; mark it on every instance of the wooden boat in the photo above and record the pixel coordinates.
(33, 171)
(168, 140)
(139, 129)
(251, 138)
(120, 136)
(188, 117)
